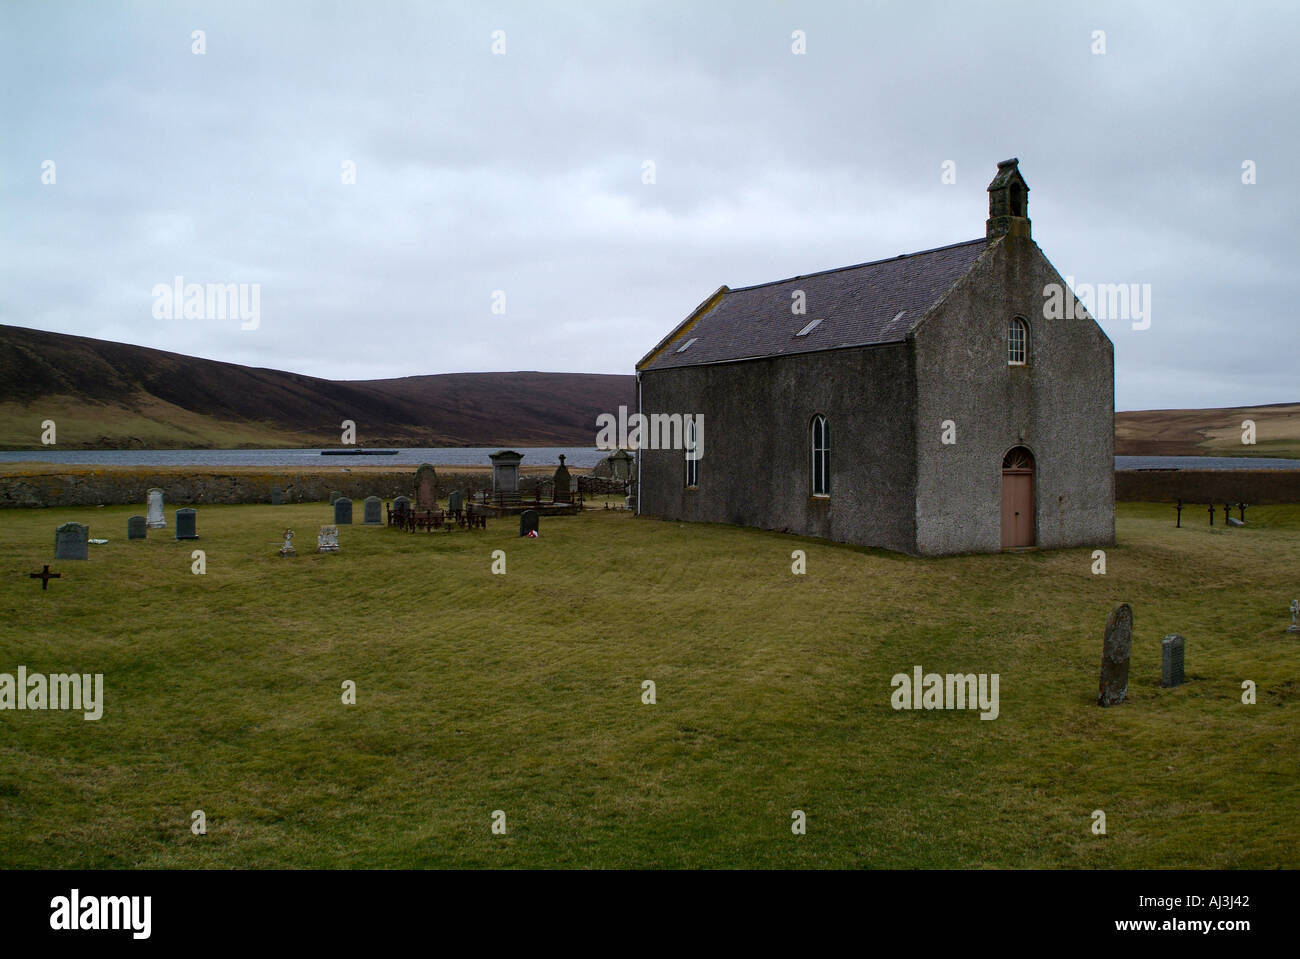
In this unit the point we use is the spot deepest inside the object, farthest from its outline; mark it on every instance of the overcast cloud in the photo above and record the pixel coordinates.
(522, 172)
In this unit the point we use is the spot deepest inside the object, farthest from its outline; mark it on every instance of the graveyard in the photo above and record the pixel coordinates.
(522, 691)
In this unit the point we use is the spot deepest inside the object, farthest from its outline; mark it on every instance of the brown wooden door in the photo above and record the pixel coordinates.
(1017, 508)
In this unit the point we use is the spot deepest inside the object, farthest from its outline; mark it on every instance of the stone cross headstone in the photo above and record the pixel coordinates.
(373, 511)
(155, 509)
(1115, 655)
(1295, 617)
(455, 501)
(136, 528)
(71, 541)
(327, 540)
(562, 483)
(343, 511)
(334, 495)
(527, 522)
(277, 496)
(426, 487)
(185, 522)
(505, 471)
(1172, 650)
(287, 549)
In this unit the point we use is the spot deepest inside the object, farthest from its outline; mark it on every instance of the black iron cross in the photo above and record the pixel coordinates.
(1211, 514)
(45, 576)
(1242, 507)
(1179, 507)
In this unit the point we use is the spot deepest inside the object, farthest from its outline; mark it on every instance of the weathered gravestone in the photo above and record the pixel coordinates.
(277, 496)
(527, 522)
(401, 509)
(374, 511)
(287, 549)
(343, 511)
(505, 471)
(185, 522)
(155, 509)
(562, 484)
(455, 501)
(426, 487)
(327, 540)
(1172, 649)
(1115, 655)
(71, 541)
(136, 528)
(621, 461)
(334, 496)
(1295, 617)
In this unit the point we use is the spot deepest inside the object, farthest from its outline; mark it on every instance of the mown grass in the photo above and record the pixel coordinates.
(479, 692)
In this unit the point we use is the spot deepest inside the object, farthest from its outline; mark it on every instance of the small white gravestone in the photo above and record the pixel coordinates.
(156, 518)
(287, 549)
(1295, 617)
(327, 540)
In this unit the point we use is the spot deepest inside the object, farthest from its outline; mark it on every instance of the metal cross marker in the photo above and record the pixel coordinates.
(45, 576)
(1242, 508)
(1179, 507)
(1211, 514)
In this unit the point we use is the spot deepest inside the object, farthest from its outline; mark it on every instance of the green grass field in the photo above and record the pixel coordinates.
(522, 693)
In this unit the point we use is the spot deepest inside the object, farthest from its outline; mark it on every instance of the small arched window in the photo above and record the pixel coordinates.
(692, 460)
(821, 456)
(1017, 342)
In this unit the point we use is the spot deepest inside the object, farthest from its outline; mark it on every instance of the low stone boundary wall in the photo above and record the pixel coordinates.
(115, 487)
(1259, 487)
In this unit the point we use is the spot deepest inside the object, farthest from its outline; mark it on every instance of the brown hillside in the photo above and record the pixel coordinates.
(107, 395)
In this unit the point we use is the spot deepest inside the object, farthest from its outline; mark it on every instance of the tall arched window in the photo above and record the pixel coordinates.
(821, 456)
(1017, 342)
(692, 461)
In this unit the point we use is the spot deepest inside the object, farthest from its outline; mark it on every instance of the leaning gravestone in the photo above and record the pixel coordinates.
(527, 522)
(374, 511)
(327, 540)
(334, 496)
(136, 528)
(1172, 650)
(277, 496)
(343, 511)
(185, 522)
(1115, 656)
(156, 518)
(426, 487)
(71, 541)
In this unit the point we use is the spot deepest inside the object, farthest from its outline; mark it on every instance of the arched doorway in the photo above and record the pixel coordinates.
(1017, 498)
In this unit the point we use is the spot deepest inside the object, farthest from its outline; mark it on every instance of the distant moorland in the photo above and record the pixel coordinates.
(106, 395)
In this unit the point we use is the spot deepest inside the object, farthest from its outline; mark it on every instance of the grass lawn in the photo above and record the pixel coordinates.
(522, 693)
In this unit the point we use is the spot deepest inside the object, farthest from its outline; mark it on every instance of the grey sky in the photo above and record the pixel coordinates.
(523, 173)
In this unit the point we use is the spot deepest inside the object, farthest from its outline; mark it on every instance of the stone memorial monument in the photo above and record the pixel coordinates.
(426, 487)
(373, 511)
(156, 518)
(185, 522)
(1172, 649)
(1115, 656)
(527, 522)
(136, 528)
(327, 540)
(505, 472)
(287, 549)
(72, 541)
(343, 511)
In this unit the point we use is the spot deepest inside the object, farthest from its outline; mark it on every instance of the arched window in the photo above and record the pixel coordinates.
(692, 461)
(821, 456)
(1017, 342)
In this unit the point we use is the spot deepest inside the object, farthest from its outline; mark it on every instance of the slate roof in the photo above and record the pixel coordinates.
(861, 305)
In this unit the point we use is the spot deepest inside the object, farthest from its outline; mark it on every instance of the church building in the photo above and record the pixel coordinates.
(924, 403)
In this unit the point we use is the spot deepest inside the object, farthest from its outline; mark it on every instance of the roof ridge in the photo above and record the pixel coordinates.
(855, 266)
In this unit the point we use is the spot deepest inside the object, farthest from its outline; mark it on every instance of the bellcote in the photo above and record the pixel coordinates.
(1008, 202)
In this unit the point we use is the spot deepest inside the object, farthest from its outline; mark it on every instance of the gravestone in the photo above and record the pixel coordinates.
(562, 484)
(455, 501)
(505, 471)
(1115, 655)
(401, 506)
(527, 522)
(426, 487)
(185, 523)
(156, 518)
(277, 496)
(287, 549)
(71, 541)
(136, 528)
(1172, 649)
(334, 496)
(1233, 521)
(327, 540)
(343, 511)
(374, 511)
(1295, 617)
(621, 463)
